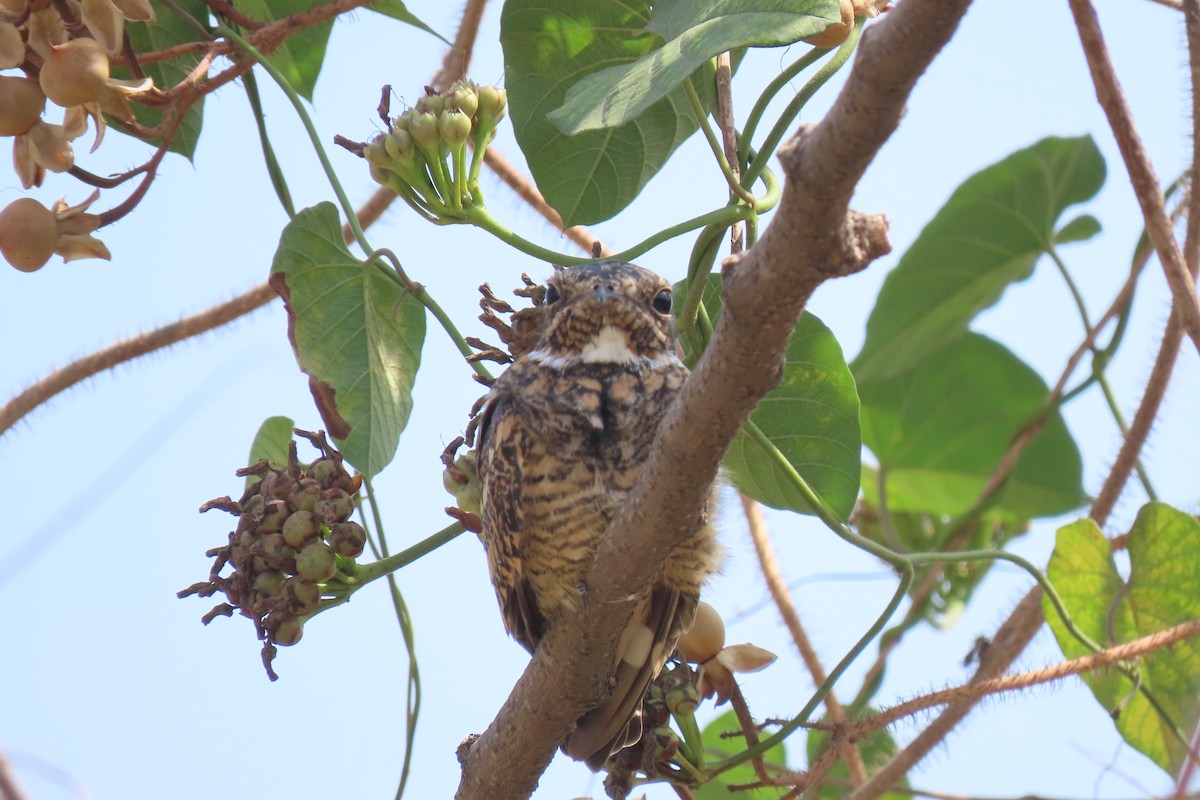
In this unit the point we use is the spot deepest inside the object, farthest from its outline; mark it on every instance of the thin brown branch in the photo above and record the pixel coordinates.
(1175, 4)
(976, 690)
(813, 237)
(777, 586)
(9, 788)
(1141, 172)
(225, 9)
(737, 234)
(19, 406)
(1017, 631)
(1169, 347)
(458, 57)
(129, 349)
(1009, 642)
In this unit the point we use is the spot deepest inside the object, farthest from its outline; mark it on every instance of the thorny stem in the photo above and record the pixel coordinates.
(787, 612)
(1141, 171)
(715, 145)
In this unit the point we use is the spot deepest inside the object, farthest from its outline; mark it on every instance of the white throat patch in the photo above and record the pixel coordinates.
(610, 346)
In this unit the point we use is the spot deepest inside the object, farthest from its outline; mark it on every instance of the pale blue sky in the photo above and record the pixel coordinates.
(109, 677)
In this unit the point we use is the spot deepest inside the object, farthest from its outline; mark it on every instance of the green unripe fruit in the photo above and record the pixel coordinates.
(302, 597)
(287, 631)
(28, 234)
(275, 516)
(21, 105)
(683, 700)
(269, 584)
(316, 563)
(348, 539)
(334, 505)
(454, 126)
(304, 495)
(301, 528)
(324, 469)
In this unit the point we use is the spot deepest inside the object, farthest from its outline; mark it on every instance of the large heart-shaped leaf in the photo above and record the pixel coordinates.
(302, 54)
(356, 333)
(810, 418)
(167, 30)
(271, 442)
(548, 47)
(940, 428)
(1163, 591)
(397, 10)
(989, 234)
(692, 33)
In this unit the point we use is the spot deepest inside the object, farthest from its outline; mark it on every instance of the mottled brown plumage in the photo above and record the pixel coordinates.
(563, 438)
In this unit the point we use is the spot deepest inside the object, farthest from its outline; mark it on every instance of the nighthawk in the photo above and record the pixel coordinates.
(562, 440)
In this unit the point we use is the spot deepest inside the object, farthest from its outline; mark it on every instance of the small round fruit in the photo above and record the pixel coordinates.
(21, 105)
(28, 234)
(304, 494)
(316, 563)
(287, 631)
(332, 506)
(302, 597)
(75, 73)
(300, 528)
(706, 637)
(348, 539)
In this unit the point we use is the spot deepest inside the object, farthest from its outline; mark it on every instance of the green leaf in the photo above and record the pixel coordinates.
(1163, 591)
(301, 55)
(271, 442)
(692, 34)
(1080, 229)
(397, 10)
(356, 334)
(167, 30)
(940, 428)
(811, 417)
(989, 234)
(718, 746)
(547, 48)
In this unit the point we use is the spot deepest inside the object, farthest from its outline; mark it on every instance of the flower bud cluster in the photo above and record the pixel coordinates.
(423, 155)
(293, 545)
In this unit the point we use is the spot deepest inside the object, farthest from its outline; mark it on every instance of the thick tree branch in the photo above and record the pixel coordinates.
(813, 238)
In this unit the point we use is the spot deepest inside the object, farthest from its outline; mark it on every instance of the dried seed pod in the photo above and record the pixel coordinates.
(75, 73)
(28, 234)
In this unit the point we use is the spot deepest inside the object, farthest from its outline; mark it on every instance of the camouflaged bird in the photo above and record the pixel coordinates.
(562, 440)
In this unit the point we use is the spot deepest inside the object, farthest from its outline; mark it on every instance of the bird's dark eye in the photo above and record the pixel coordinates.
(662, 302)
(551, 295)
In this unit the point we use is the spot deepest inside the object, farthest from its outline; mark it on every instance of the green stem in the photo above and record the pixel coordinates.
(818, 505)
(1099, 359)
(784, 123)
(417, 290)
(906, 577)
(274, 171)
(773, 88)
(389, 564)
(692, 739)
(715, 144)
(413, 694)
(479, 216)
(314, 137)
